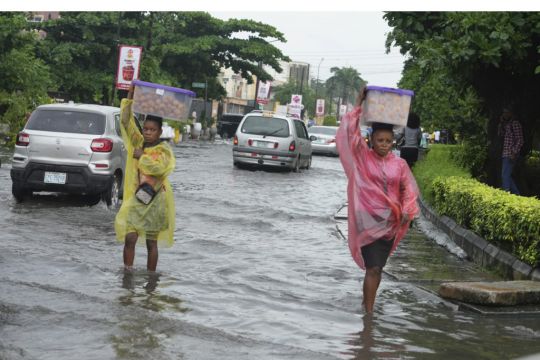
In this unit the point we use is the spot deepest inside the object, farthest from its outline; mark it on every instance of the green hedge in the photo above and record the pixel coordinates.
(499, 217)
(437, 162)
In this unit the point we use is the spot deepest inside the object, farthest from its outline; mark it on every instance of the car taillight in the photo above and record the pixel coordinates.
(101, 145)
(250, 142)
(329, 141)
(292, 147)
(23, 139)
(235, 140)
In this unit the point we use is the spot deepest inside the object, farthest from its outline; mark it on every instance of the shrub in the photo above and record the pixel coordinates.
(329, 121)
(499, 217)
(437, 162)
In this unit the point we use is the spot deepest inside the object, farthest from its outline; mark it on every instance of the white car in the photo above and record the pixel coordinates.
(268, 139)
(70, 148)
(323, 140)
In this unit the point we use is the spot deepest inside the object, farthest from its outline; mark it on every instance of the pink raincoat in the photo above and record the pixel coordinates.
(380, 192)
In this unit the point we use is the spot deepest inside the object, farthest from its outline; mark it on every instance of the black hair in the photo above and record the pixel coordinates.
(413, 121)
(381, 126)
(157, 119)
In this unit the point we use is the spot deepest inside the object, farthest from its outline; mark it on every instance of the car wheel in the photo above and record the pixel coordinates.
(297, 165)
(111, 196)
(19, 193)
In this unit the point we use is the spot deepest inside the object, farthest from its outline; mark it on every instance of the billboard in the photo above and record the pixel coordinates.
(319, 110)
(263, 92)
(129, 60)
(295, 106)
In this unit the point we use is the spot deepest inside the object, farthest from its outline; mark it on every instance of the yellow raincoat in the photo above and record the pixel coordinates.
(157, 218)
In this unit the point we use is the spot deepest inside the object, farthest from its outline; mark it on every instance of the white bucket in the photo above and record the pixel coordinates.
(196, 132)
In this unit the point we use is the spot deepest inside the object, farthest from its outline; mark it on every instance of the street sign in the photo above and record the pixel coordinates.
(198, 85)
(320, 107)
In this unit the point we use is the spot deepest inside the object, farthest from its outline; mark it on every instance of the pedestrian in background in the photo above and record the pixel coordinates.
(412, 135)
(382, 197)
(512, 135)
(147, 212)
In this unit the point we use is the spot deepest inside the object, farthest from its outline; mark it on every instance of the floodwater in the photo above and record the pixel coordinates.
(258, 271)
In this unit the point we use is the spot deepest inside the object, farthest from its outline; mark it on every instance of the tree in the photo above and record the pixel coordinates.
(179, 48)
(492, 56)
(346, 82)
(284, 92)
(24, 77)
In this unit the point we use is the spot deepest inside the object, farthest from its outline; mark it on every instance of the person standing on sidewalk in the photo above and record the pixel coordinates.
(412, 135)
(148, 211)
(512, 134)
(382, 197)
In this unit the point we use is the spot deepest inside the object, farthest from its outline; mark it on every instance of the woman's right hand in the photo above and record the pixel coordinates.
(361, 96)
(137, 153)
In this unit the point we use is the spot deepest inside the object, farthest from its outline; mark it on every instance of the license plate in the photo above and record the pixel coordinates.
(263, 144)
(54, 178)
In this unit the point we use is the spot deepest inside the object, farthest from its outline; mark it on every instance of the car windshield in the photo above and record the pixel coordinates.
(266, 126)
(322, 130)
(75, 122)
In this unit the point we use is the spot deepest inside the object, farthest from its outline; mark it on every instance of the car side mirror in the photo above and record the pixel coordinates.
(312, 138)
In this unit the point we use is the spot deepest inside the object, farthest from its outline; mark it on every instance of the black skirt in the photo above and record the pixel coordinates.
(376, 253)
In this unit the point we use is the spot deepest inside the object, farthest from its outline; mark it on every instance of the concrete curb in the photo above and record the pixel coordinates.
(480, 251)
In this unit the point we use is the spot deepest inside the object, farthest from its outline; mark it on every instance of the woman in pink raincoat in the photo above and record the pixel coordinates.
(382, 197)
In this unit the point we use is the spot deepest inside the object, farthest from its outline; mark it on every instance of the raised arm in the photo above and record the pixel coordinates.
(349, 137)
(130, 132)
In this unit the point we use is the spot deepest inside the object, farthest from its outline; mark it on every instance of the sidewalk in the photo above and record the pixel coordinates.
(422, 261)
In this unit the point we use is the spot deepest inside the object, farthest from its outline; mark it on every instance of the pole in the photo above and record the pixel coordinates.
(117, 41)
(317, 85)
(255, 104)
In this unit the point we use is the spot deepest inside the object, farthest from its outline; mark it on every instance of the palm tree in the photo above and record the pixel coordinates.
(345, 81)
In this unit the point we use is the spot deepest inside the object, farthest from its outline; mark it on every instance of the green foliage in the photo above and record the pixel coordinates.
(471, 154)
(24, 77)
(465, 66)
(345, 83)
(437, 162)
(494, 214)
(179, 48)
(329, 120)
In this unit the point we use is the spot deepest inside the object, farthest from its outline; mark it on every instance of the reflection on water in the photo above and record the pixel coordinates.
(143, 291)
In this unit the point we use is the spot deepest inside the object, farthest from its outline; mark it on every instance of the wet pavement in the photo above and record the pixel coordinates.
(258, 271)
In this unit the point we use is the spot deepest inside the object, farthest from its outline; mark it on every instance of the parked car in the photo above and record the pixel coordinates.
(270, 139)
(70, 148)
(323, 139)
(227, 124)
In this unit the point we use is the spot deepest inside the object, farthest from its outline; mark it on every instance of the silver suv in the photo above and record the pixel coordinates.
(70, 148)
(270, 139)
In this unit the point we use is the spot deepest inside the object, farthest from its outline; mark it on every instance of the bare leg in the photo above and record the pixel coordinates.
(151, 264)
(129, 250)
(372, 280)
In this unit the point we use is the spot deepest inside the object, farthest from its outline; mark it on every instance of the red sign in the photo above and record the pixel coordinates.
(129, 60)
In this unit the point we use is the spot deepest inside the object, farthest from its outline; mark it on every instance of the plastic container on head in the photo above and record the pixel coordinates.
(160, 100)
(386, 105)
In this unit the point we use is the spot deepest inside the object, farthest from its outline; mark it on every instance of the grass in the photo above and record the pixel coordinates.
(437, 162)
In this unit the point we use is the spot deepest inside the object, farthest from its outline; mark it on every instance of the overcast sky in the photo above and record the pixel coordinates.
(341, 39)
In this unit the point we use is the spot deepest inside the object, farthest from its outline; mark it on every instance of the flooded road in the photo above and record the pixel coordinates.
(258, 271)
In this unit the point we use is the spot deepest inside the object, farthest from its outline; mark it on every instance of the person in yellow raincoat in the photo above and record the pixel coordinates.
(149, 162)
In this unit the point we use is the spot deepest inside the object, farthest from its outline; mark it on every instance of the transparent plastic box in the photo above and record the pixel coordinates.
(169, 102)
(386, 105)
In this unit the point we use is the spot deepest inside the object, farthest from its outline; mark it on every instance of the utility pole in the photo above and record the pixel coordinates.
(255, 104)
(317, 85)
